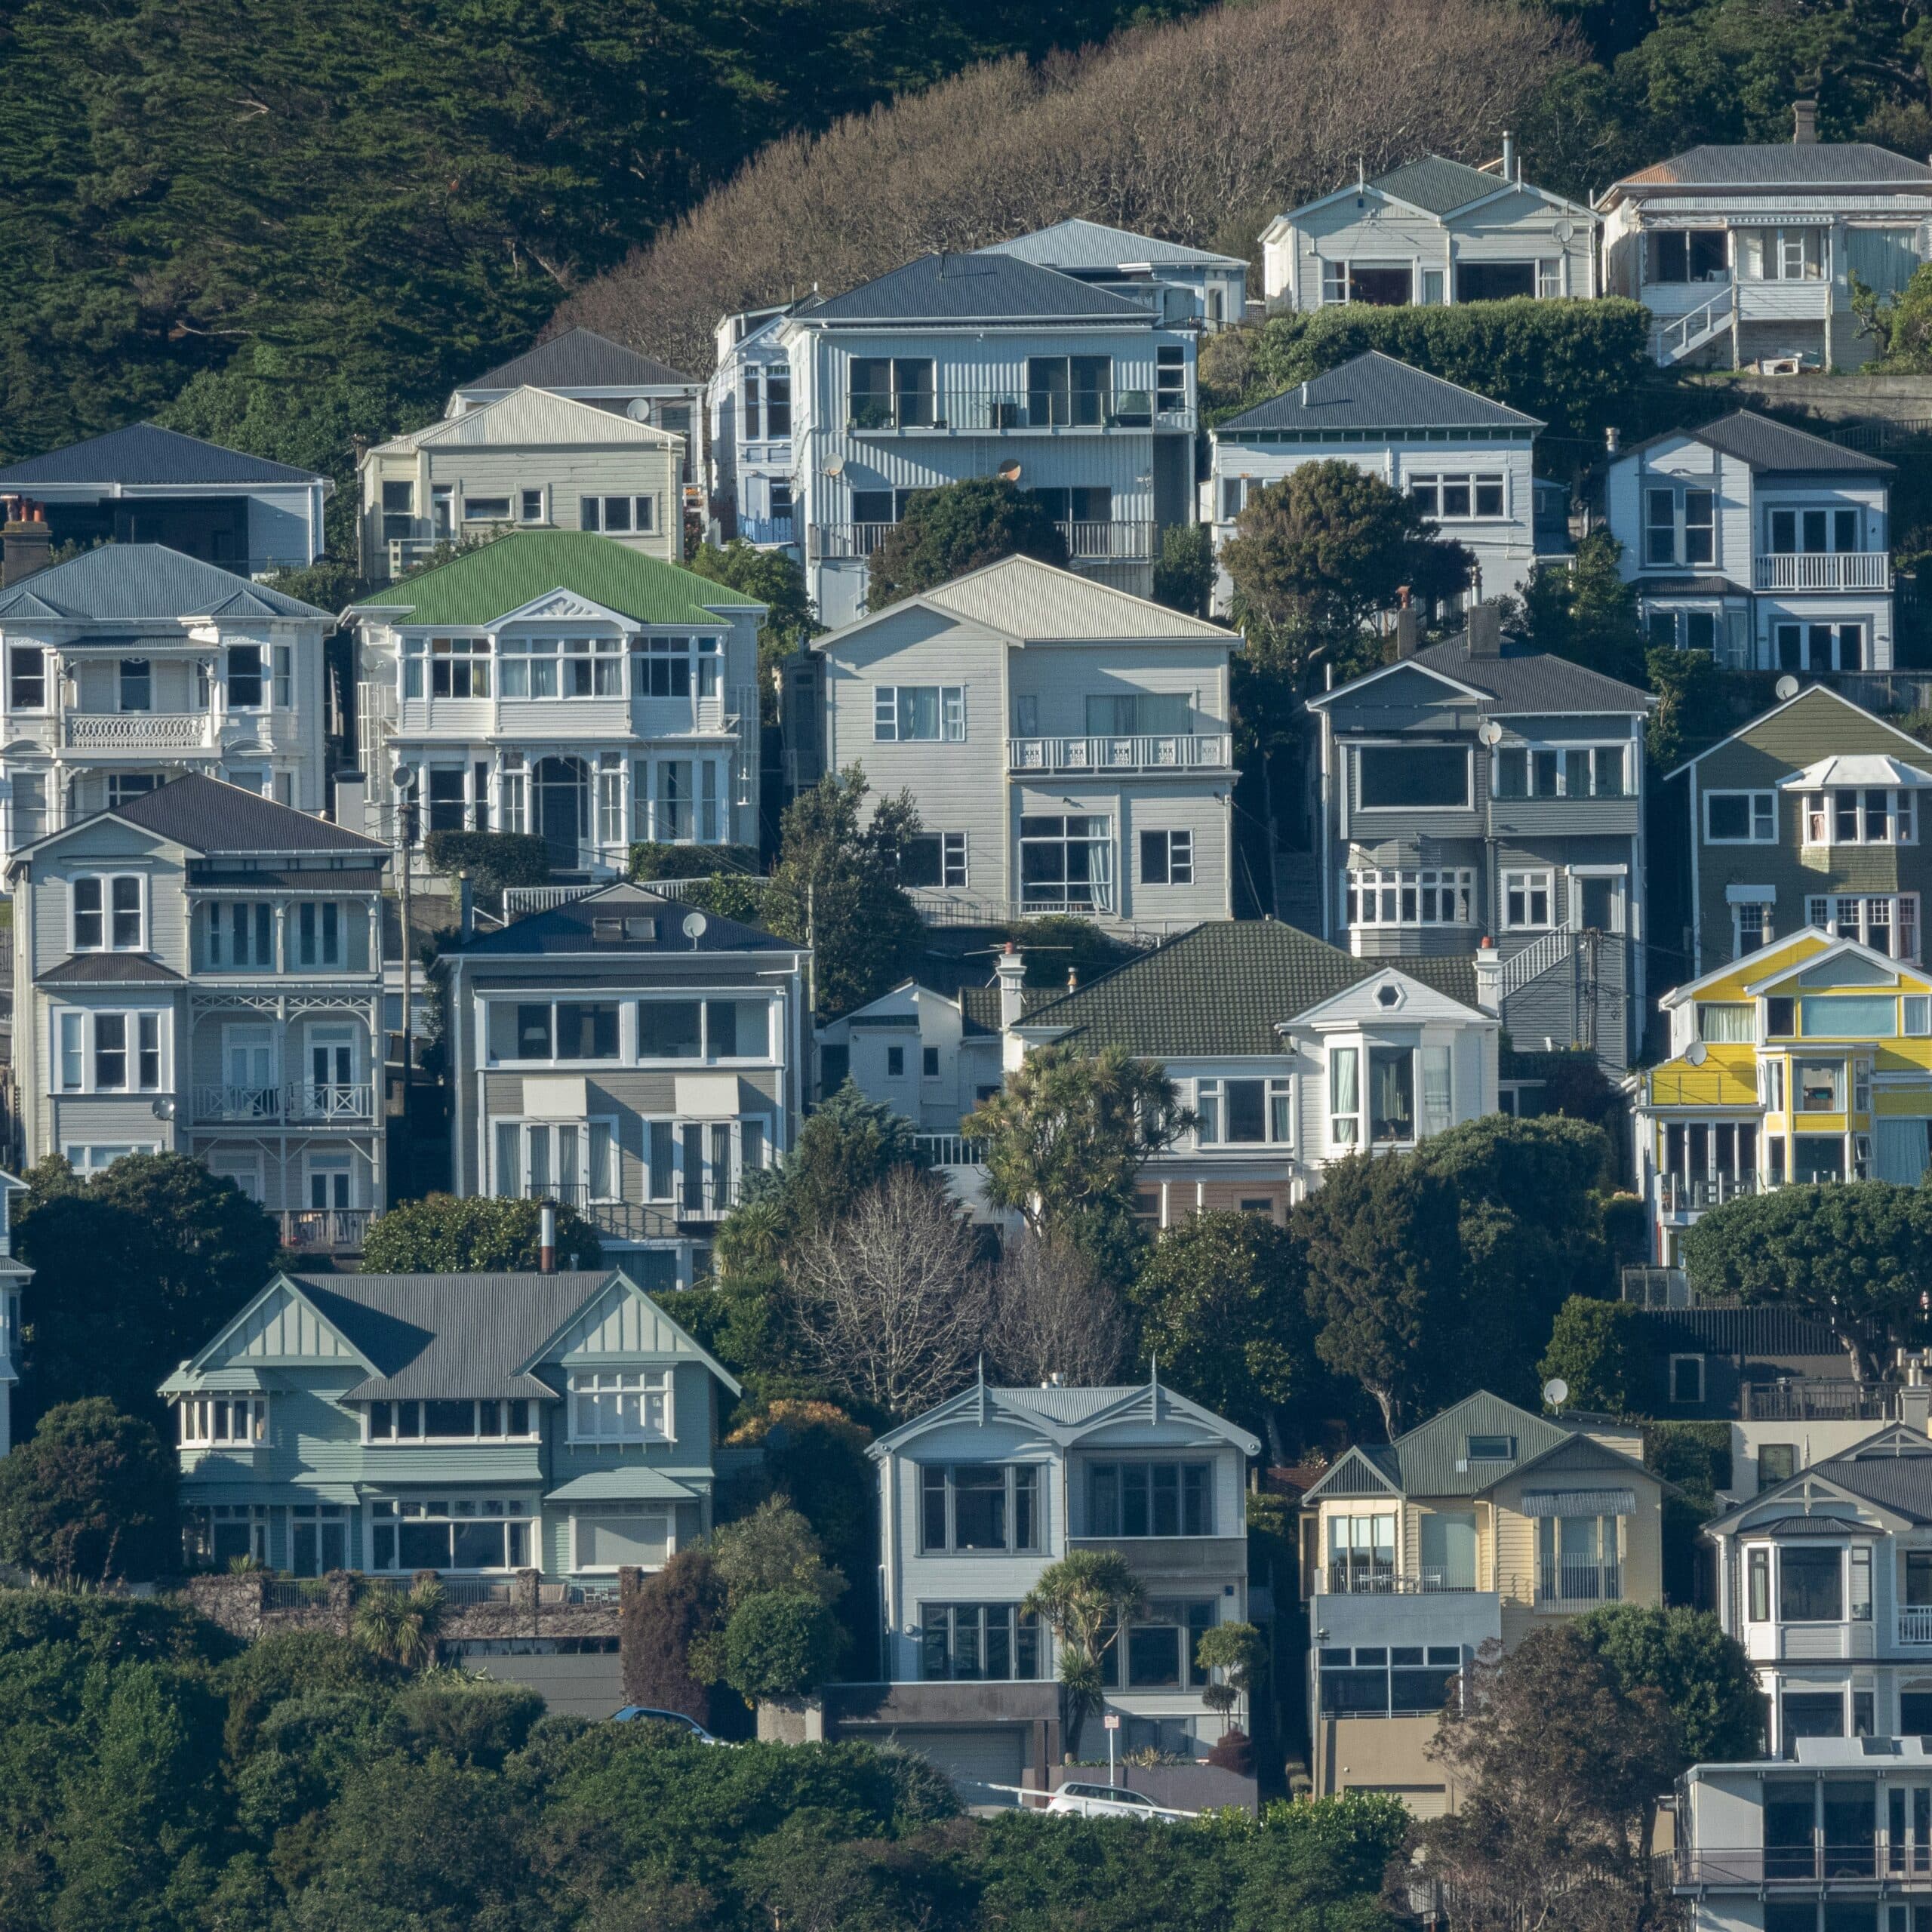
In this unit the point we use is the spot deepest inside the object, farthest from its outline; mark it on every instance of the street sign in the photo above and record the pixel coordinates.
(1110, 1721)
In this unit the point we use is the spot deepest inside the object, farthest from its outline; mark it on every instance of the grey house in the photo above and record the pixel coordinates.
(1478, 792)
(1175, 280)
(629, 1056)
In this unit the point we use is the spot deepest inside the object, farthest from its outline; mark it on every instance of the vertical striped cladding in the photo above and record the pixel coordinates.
(282, 1327)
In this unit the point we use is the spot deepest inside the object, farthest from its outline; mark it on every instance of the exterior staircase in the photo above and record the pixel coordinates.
(1684, 335)
(1297, 891)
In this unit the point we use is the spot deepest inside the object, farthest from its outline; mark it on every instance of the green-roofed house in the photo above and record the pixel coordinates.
(1432, 231)
(556, 681)
(1485, 1522)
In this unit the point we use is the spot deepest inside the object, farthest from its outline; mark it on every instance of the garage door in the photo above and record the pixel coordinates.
(973, 1758)
(581, 1685)
(1426, 1800)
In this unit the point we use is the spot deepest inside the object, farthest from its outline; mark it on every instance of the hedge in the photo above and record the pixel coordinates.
(648, 861)
(492, 859)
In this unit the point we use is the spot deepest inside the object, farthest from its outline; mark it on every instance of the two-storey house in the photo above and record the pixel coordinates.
(957, 366)
(1083, 735)
(1290, 1052)
(978, 1496)
(146, 485)
(1430, 232)
(1468, 463)
(530, 460)
(14, 1275)
(749, 407)
(588, 367)
(627, 1055)
(1767, 547)
(1483, 1524)
(1178, 283)
(1808, 1060)
(558, 683)
(199, 971)
(1826, 1579)
(931, 1057)
(1748, 253)
(131, 664)
(1478, 790)
(1808, 816)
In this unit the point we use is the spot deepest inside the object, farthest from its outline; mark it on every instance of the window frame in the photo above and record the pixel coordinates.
(1761, 816)
(1527, 889)
(22, 677)
(1596, 753)
(194, 1431)
(593, 513)
(1173, 847)
(1020, 1633)
(394, 1437)
(641, 1508)
(889, 714)
(1367, 890)
(1037, 1473)
(1362, 749)
(75, 1031)
(1099, 1523)
(657, 1381)
(387, 1514)
(1211, 1098)
(109, 914)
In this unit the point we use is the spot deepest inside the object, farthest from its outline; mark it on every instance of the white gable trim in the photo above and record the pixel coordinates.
(287, 1285)
(1798, 697)
(603, 1296)
(1455, 685)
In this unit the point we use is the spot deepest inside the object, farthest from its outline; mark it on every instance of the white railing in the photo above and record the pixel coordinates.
(847, 539)
(1915, 1624)
(1672, 341)
(971, 409)
(1825, 569)
(138, 731)
(952, 1150)
(1535, 960)
(216, 1103)
(325, 1230)
(1119, 540)
(1170, 751)
(520, 901)
(331, 1100)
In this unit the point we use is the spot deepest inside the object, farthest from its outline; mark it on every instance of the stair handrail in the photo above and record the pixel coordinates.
(1536, 959)
(1700, 323)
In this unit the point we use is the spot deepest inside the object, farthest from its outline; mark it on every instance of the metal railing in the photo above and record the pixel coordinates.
(1885, 433)
(766, 529)
(1175, 750)
(972, 409)
(325, 1230)
(1824, 570)
(1565, 1585)
(138, 731)
(1691, 1194)
(308, 1102)
(838, 540)
(1799, 1865)
(1655, 1288)
(1815, 1401)
(1672, 341)
(1120, 540)
(1349, 1579)
(952, 1150)
(1915, 1624)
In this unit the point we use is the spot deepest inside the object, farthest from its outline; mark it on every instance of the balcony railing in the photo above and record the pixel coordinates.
(766, 529)
(837, 540)
(1753, 1866)
(951, 1150)
(1691, 1194)
(1177, 751)
(325, 1230)
(1825, 569)
(1563, 1584)
(1102, 540)
(709, 1201)
(307, 1103)
(140, 731)
(972, 410)
(1347, 1580)
(1915, 1624)
(1815, 1401)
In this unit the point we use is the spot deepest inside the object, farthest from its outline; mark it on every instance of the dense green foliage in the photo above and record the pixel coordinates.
(779, 1643)
(1597, 1348)
(442, 1234)
(492, 859)
(777, 579)
(649, 861)
(1585, 611)
(1184, 571)
(90, 1499)
(956, 527)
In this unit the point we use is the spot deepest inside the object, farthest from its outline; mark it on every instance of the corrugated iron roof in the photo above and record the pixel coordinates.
(1075, 245)
(1439, 184)
(529, 416)
(146, 455)
(1532, 681)
(1040, 603)
(579, 358)
(1780, 165)
(976, 288)
(108, 969)
(143, 582)
(1773, 447)
(1374, 391)
(211, 816)
(572, 927)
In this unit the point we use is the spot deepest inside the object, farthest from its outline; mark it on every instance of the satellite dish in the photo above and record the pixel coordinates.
(1697, 1053)
(834, 465)
(1566, 231)
(1556, 1392)
(1009, 471)
(1787, 686)
(638, 409)
(1490, 731)
(695, 926)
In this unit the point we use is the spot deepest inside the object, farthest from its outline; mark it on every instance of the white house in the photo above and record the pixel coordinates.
(931, 1057)
(1767, 547)
(1747, 253)
(1429, 232)
(1178, 282)
(748, 403)
(1469, 462)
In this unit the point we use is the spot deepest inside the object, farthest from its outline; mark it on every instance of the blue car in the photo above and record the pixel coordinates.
(646, 1714)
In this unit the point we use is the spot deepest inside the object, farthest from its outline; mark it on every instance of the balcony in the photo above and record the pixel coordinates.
(951, 1150)
(308, 1103)
(1103, 540)
(766, 529)
(1563, 1586)
(1817, 1401)
(973, 411)
(629, 1220)
(325, 1230)
(1181, 751)
(1691, 1194)
(1915, 1624)
(1824, 570)
(1348, 1579)
(834, 542)
(138, 733)
(1174, 1556)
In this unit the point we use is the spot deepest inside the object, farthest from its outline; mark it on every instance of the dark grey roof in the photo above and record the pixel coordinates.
(1521, 680)
(1767, 445)
(107, 969)
(143, 583)
(976, 288)
(282, 878)
(1375, 391)
(1900, 1482)
(1812, 1526)
(1693, 587)
(1078, 247)
(979, 1006)
(579, 359)
(1779, 164)
(145, 454)
(1439, 184)
(209, 815)
(1747, 1331)
(572, 928)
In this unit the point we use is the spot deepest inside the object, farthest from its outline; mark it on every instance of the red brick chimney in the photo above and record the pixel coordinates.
(25, 542)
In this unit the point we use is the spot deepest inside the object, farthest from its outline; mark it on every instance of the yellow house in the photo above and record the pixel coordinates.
(1809, 1060)
(1474, 1528)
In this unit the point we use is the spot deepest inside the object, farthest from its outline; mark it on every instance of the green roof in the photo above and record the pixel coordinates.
(483, 585)
(1224, 987)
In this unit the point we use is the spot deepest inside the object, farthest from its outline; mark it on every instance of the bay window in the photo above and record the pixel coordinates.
(620, 1405)
(1433, 895)
(449, 1533)
(1246, 1113)
(539, 666)
(224, 1421)
(1392, 1093)
(1874, 815)
(966, 1507)
(1344, 1097)
(1886, 922)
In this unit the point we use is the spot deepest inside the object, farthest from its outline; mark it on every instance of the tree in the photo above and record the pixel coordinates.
(1597, 1348)
(1222, 1300)
(1857, 1258)
(1695, 705)
(1713, 1708)
(779, 1643)
(669, 1610)
(777, 579)
(1066, 1138)
(442, 1235)
(891, 1297)
(946, 532)
(1086, 1599)
(90, 1499)
(1238, 1651)
(1584, 610)
(773, 1549)
(1184, 571)
(1052, 1316)
(400, 1626)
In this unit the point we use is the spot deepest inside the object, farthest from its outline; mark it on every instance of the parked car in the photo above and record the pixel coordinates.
(1110, 1800)
(649, 1714)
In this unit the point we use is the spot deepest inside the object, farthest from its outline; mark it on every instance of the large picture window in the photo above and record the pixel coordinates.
(1561, 771)
(1429, 777)
(1066, 863)
(224, 1421)
(464, 1420)
(1150, 1499)
(614, 1535)
(1239, 1113)
(1392, 896)
(979, 1643)
(1383, 1680)
(1160, 1649)
(703, 1029)
(980, 1506)
(440, 1534)
(919, 714)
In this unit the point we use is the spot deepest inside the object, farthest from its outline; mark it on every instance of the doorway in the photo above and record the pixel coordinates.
(562, 802)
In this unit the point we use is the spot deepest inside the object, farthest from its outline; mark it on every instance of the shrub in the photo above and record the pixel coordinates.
(1597, 1348)
(956, 527)
(90, 1499)
(492, 859)
(650, 861)
(682, 1603)
(779, 1643)
(474, 1723)
(441, 1235)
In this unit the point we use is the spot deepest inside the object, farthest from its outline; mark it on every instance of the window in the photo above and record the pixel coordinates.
(1066, 861)
(107, 914)
(562, 1030)
(1167, 858)
(1726, 1022)
(459, 1421)
(892, 393)
(1740, 818)
(979, 1643)
(1159, 1647)
(933, 858)
(1170, 372)
(1376, 1680)
(465, 1533)
(1849, 1016)
(245, 677)
(459, 667)
(399, 509)
(1458, 497)
(1578, 1560)
(319, 933)
(1137, 714)
(711, 1029)
(1527, 900)
(1150, 1499)
(530, 506)
(615, 516)
(614, 1535)
(26, 688)
(224, 1421)
(1244, 1112)
(1434, 896)
(1073, 390)
(1876, 816)
(1810, 1585)
(1431, 776)
(1820, 647)
(239, 935)
(136, 684)
(562, 667)
(675, 666)
(1820, 1086)
(1758, 1567)
(919, 714)
(979, 1505)
(620, 1405)
(929, 1063)
(1344, 1097)
(1687, 1378)
(1777, 1462)
(895, 1062)
(1888, 922)
(486, 510)
(1392, 1093)
(1569, 771)
(1680, 527)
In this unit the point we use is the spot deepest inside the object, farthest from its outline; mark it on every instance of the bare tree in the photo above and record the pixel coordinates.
(892, 1297)
(1052, 1315)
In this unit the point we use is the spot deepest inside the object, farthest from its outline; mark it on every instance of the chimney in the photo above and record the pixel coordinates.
(465, 906)
(351, 800)
(1485, 635)
(1073, 979)
(1805, 124)
(1613, 439)
(1407, 624)
(1489, 977)
(1011, 968)
(546, 1238)
(24, 543)
(1509, 155)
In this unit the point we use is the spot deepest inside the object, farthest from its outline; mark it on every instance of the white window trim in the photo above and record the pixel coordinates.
(1897, 902)
(1361, 745)
(1274, 1086)
(515, 1509)
(1738, 910)
(533, 1434)
(1753, 836)
(1894, 793)
(1178, 838)
(632, 1051)
(523, 1122)
(1574, 919)
(1437, 477)
(669, 1433)
(1528, 875)
(88, 1016)
(621, 1506)
(259, 1436)
(1671, 1385)
(107, 881)
(1457, 881)
(1531, 746)
(950, 709)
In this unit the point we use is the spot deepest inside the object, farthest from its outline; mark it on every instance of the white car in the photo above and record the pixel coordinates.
(648, 1713)
(1109, 1801)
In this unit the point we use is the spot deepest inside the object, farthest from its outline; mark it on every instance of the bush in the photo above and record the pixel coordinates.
(779, 1643)
(649, 861)
(1184, 571)
(291, 1663)
(90, 1499)
(956, 527)
(682, 1603)
(441, 1235)
(1597, 1348)
(473, 1723)
(492, 859)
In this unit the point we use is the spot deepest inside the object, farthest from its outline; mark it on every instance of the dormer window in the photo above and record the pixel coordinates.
(1492, 1448)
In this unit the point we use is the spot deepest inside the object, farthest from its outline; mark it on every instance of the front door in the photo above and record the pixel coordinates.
(563, 809)
(250, 1052)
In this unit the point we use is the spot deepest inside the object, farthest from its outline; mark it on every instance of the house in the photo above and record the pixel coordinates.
(978, 1496)
(1808, 1060)
(1478, 789)
(1178, 283)
(1826, 1579)
(1808, 816)
(557, 682)
(1290, 1052)
(629, 1056)
(588, 368)
(14, 1275)
(1083, 734)
(1467, 462)
(748, 406)
(958, 366)
(1481, 1525)
(1746, 254)
(199, 971)
(1432, 231)
(528, 460)
(149, 485)
(132, 664)
(931, 1057)
(1767, 547)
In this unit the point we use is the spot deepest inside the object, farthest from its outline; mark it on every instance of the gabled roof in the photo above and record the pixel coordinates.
(1788, 947)
(1774, 448)
(1075, 246)
(1226, 987)
(1780, 164)
(144, 583)
(481, 586)
(145, 454)
(976, 288)
(980, 1005)
(1891, 1469)
(572, 928)
(1375, 392)
(209, 815)
(1520, 682)
(580, 359)
(1438, 185)
(1809, 695)
(531, 417)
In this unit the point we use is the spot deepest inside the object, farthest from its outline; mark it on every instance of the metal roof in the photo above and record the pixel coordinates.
(144, 582)
(209, 815)
(1896, 1478)
(1076, 246)
(1780, 164)
(1835, 1527)
(1770, 1331)
(995, 288)
(1773, 446)
(579, 358)
(572, 928)
(279, 878)
(146, 454)
(1040, 603)
(527, 417)
(107, 969)
(1375, 391)
(1528, 681)
(1439, 184)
